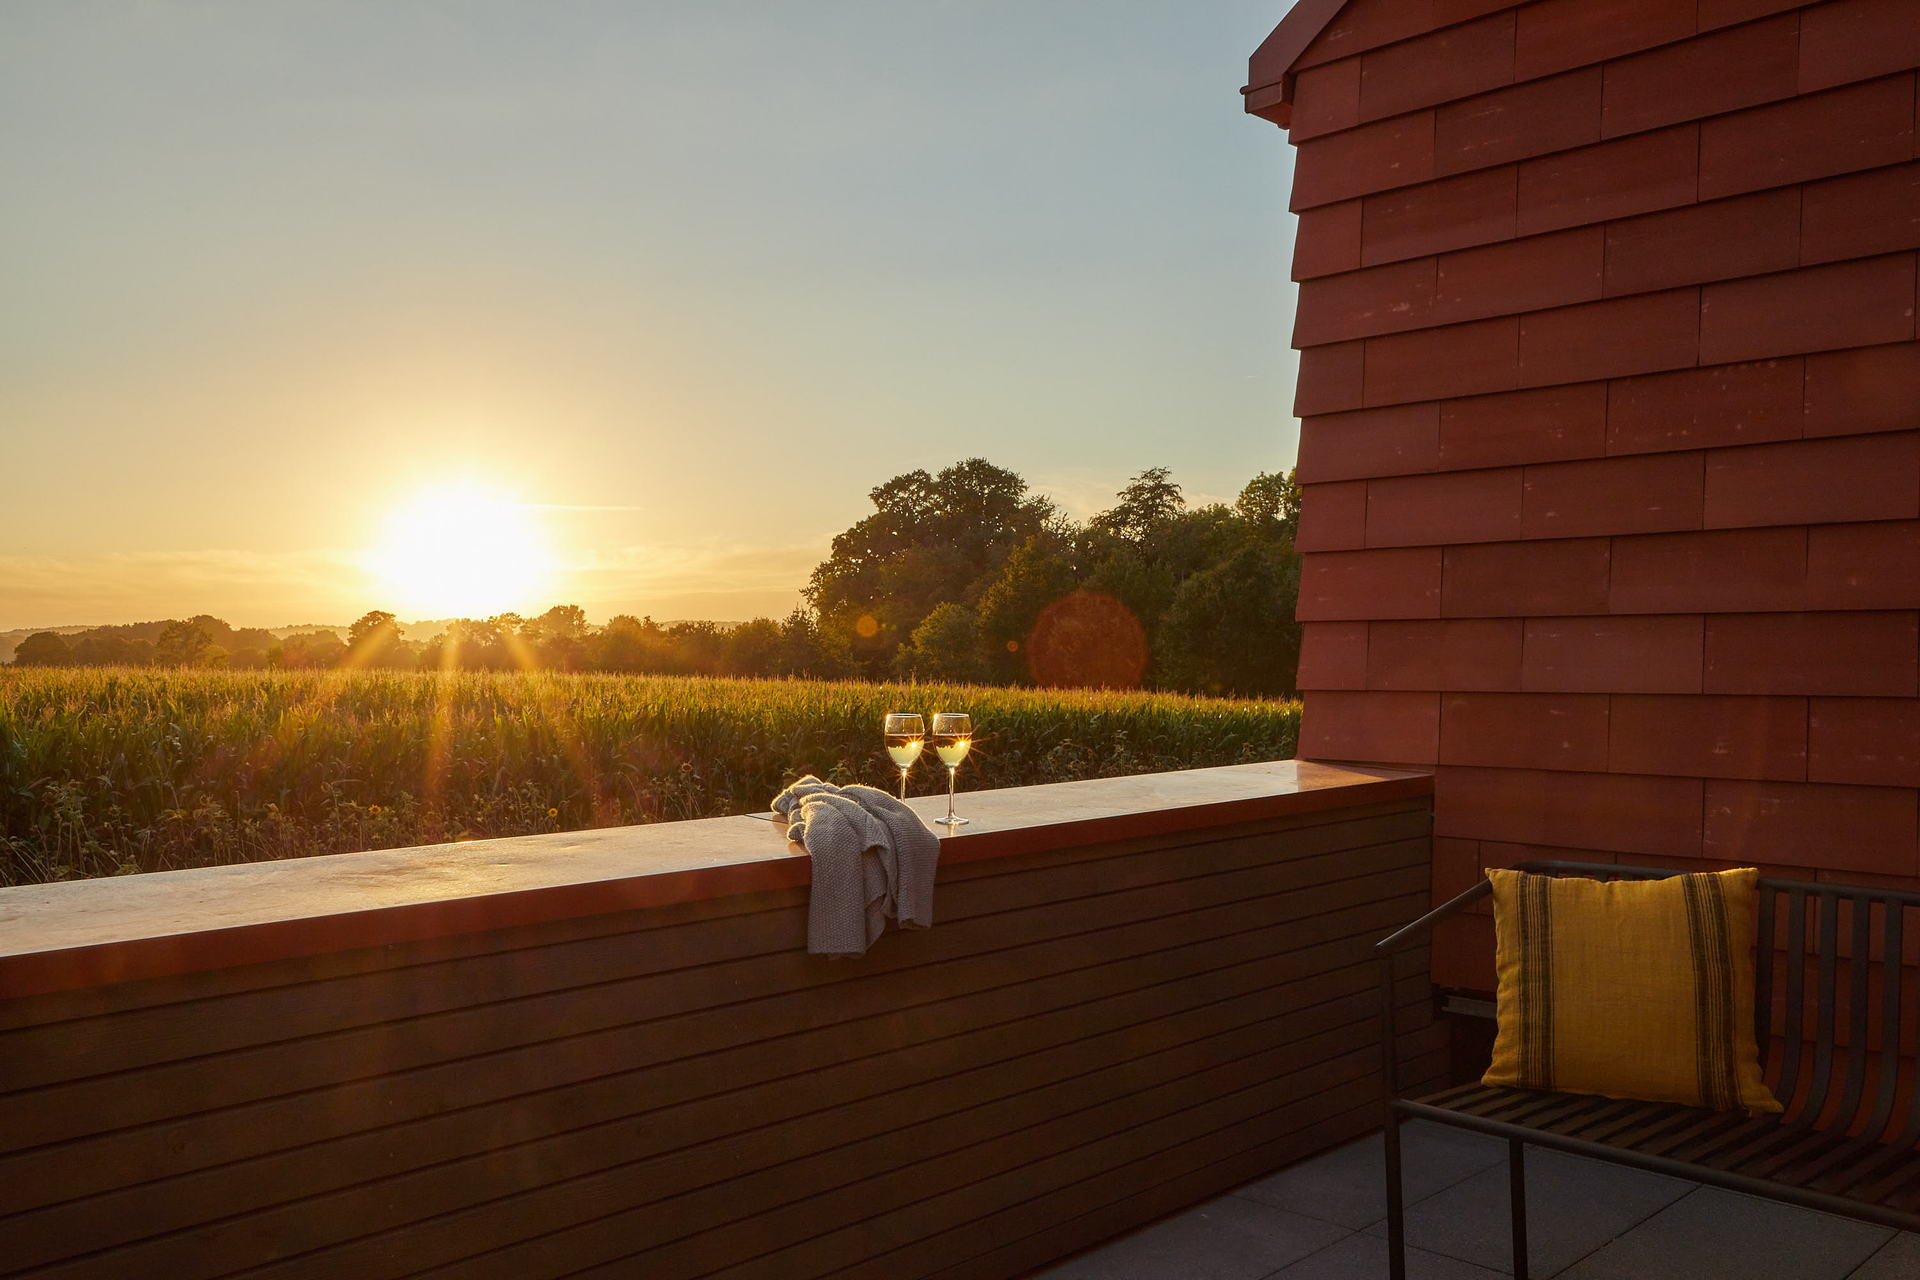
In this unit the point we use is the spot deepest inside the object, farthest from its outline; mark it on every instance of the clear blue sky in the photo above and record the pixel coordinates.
(676, 283)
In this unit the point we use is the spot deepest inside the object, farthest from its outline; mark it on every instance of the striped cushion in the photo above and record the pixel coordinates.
(1628, 989)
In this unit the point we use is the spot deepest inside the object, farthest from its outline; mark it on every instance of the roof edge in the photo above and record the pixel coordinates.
(1269, 88)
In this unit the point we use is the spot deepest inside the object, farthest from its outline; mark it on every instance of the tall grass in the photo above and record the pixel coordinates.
(111, 771)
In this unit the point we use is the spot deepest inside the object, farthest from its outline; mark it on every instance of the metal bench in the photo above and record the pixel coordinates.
(1835, 1148)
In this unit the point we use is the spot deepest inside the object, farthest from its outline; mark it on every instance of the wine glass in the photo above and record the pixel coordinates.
(905, 735)
(952, 736)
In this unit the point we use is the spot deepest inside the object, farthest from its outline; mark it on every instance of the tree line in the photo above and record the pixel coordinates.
(964, 576)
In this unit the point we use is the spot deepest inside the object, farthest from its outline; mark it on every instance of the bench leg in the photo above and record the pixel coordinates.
(1396, 1208)
(1517, 1185)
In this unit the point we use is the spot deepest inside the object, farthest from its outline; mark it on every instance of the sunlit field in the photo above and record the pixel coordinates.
(112, 771)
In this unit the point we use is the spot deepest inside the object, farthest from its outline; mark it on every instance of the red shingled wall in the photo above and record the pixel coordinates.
(1610, 438)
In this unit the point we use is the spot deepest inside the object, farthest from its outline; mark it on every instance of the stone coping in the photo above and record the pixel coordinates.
(84, 933)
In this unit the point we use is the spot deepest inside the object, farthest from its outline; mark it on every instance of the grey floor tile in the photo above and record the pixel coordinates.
(1364, 1257)
(1345, 1185)
(1574, 1206)
(1898, 1259)
(1720, 1235)
(1227, 1239)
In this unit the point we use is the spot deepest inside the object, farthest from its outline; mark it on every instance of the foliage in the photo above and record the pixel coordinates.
(931, 540)
(1209, 593)
(121, 770)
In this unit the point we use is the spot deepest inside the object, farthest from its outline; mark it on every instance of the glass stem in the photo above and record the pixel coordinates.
(903, 784)
(953, 771)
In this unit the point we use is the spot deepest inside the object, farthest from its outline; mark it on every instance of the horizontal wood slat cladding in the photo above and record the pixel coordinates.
(1666, 278)
(1088, 1038)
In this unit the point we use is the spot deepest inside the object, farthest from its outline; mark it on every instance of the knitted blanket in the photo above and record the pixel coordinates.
(873, 859)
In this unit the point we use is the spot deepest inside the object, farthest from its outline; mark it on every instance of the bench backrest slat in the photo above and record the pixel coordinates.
(1892, 974)
(1791, 1034)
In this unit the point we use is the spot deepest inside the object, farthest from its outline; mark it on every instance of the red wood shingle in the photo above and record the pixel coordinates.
(1525, 579)
(1657, 653)
(1326, 240)
(1450, 653)
(1400, 728)
(1400, 440)
(1705, 76)
(1864, 566)
(1846, 304)
(1434, 364)
(1610, 339)
(1325, 100)
(1396, 583)
(1717, 572)
(1715, 14)
(1866, 741)
(1873, 389)
(1616, 179)
(1374, 157)
(1855, 40)
(1724, 240)
(1525, 730)
(1555, 35)
(1651, 493)
(1861, 214)
(1620, 813)
(1856, 655)
(1813, 825)
(1359, 304)
(1709, 737)
(1440, 67)
(1333, 517)
(1454, 506)
(1330, 379)
(1832, 481)
(1454, 213)
(1846, 130)
(1333, 655)
(1545, 424)
(1519, 275)
(1726, 404)
(1533, 119)
(1367, 24)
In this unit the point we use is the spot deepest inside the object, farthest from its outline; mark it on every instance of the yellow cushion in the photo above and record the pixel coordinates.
(1628, 989)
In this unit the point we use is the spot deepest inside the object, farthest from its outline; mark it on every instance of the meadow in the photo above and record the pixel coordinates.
(120, 770)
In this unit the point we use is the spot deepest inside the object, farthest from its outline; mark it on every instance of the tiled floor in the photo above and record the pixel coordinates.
(1325, 1220)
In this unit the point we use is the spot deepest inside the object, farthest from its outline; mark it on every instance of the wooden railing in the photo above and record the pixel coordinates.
(608, 1052)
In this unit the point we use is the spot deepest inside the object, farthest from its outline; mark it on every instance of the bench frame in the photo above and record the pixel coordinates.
(1810, 1141)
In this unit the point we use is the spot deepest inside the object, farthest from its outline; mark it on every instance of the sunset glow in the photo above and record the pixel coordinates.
(463, 550)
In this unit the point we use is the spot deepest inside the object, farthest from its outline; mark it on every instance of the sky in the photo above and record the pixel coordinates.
(310, 308)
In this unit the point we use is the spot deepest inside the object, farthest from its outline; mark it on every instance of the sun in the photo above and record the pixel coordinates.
(463, 550)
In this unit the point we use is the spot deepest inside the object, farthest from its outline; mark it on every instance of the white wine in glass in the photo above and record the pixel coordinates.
(905, 735)
(952, 738)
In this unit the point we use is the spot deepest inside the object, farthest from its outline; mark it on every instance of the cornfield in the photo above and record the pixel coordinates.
(119, 770)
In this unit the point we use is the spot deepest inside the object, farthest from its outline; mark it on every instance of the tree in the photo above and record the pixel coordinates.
(43, 649)
(1033, 577)
(560, 638)
(1148, 501)
(182, 644)
(932, 539)
(1230, 628)
(375, 641)
(945, 646)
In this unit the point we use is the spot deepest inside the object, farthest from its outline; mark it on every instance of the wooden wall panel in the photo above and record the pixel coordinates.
(1719, 463)
(1086, 1040)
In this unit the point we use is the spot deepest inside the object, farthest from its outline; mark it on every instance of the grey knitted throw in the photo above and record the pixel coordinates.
(872, 859)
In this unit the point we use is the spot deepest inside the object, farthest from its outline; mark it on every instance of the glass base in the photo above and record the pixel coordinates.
(953, 820)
